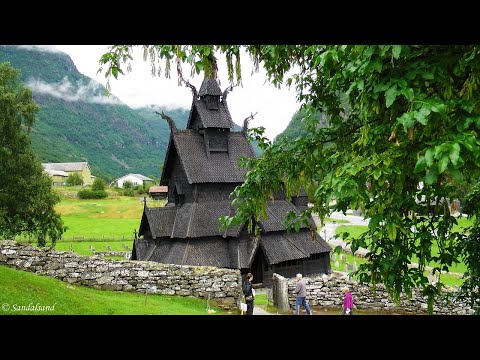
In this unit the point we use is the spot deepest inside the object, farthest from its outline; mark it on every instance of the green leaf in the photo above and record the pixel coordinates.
(115, 72)
(408, 93)
(442, 164)
(456, 174)
(420, 165)
(391, 231)
(438, 108)
(390, 95)
(454, 153)
(429, 157)
(431, 177)
(396, 50)
(377, 173)
(422, 115)
(360, 84)
(407, 120)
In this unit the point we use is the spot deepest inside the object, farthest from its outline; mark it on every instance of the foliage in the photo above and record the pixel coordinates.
(98, 184)
(26, 197)
(470, 249)
(128, 192)
(397, 116)
(92, 194)
(74, 179)
(127, 185)
(23, 288)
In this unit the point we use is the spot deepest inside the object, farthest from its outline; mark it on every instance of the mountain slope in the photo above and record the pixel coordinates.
(77, 122)
(296, 127)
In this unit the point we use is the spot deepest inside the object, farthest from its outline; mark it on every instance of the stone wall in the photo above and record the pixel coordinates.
(326, 291)
(222, 286)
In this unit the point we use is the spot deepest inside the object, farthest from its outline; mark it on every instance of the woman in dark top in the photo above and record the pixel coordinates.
(248, 293)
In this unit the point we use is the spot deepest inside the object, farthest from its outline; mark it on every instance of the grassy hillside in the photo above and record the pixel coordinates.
(77, 122)
(20, 288)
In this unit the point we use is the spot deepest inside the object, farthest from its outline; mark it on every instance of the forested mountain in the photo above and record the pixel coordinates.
(78, 122)
(296, 127)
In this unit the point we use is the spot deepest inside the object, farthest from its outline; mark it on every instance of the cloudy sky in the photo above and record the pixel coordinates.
(275, 107)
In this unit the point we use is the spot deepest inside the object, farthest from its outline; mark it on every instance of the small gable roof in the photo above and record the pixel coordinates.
(74, 166)
(158, 189)
(209, 87)
(56, 172)
(138, 176)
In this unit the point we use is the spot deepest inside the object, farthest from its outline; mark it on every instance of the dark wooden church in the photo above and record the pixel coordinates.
(201, 171)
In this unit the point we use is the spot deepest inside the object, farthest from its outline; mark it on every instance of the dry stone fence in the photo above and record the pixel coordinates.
(221, 286)
(325, 291)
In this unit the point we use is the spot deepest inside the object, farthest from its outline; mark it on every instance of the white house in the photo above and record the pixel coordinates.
(135, 179)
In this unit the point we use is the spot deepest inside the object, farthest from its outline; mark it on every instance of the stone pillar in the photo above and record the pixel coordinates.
(280, 292)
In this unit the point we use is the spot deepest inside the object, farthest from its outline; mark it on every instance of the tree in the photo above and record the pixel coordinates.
(399, 117)
(98, 184)
(74, 179)
(27, 199)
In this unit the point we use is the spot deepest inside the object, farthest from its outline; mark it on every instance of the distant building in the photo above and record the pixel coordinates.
(58, 177)
(80, 168)
(158, 192)
(135, 179)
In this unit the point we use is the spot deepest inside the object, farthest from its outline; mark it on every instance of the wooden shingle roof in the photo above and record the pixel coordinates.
(209, 87)
(213, 118)
(232, 252)
(276, 212)
(191, 220)
(280, 246)
(218, 167)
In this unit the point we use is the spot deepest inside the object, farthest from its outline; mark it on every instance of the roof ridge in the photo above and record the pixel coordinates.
(185, 253)
(192, 215)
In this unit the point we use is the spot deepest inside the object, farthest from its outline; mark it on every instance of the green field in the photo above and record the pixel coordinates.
(21, 288)
(114, 218)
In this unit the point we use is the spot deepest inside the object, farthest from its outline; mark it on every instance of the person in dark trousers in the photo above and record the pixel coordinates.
(248, 293)
(301, 292)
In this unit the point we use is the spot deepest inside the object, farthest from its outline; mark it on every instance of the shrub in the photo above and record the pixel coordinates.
(74, 179)
(129, 192)
(92, 194)
(127, 185)
(98, 184)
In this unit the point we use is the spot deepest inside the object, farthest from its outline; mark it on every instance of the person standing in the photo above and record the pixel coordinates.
(347, 307)
(301, 293)
(248, 293)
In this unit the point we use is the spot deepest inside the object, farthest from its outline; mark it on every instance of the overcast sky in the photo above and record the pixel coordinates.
(139, 88)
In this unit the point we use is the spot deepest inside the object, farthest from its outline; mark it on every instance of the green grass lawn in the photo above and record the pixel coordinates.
(354, 230)
(21, 288)
(261, 299)
(113, 218)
